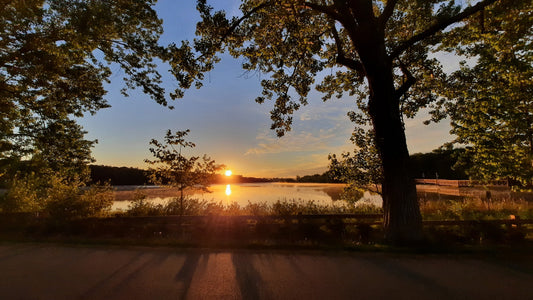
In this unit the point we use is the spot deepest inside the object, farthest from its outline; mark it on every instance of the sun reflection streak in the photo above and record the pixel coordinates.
(228, 189)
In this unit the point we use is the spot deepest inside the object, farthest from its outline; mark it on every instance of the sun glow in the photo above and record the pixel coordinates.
(228, 190)
(228, 173)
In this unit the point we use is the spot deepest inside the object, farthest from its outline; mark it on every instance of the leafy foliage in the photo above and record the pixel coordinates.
(57, 195)
(55, 56)
(22, 195)
(361, 170)
(68, 200)
(491, 106)
(293, 41)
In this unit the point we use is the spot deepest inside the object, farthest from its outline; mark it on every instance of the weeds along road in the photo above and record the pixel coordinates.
(34, 271)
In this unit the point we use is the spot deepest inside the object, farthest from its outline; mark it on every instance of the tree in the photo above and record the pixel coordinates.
(362, 169)
(489, 99)
(378, 49)
(174, 169)
(55, 56)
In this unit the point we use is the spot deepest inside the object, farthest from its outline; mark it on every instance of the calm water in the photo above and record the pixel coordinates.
(270, 193)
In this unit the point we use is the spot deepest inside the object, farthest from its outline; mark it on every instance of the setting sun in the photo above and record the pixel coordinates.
(228, 173)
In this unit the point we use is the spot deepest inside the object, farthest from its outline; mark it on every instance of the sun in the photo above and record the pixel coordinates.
(228, 173)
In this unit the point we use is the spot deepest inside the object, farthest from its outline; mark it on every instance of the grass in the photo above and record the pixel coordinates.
(140, 206)
(475, 208)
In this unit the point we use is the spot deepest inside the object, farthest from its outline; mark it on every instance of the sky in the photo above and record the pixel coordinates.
(225, 121)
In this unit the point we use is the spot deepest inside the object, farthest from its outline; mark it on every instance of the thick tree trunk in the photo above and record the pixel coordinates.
(402, 219)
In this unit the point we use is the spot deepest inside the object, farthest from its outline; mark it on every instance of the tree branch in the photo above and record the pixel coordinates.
(407, 84)
(341, 56)
(441, 25)
(328, 10)
(387, 13)
(244, 17)
(231, 28)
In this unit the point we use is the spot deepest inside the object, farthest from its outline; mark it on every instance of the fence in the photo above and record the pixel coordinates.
(461, 183)
(201, 230)
(358, 228)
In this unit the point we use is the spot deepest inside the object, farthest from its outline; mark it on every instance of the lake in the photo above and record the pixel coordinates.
(250, 192)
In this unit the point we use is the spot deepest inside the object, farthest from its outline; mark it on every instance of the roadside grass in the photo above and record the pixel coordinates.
(287, 224)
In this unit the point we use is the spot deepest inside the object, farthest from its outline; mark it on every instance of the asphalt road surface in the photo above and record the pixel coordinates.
(33, 271)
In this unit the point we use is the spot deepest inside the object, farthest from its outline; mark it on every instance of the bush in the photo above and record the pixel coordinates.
(140, 207)
(67, 201)
(22, 195)
(56, 196)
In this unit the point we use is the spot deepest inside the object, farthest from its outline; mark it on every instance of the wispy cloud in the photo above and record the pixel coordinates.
(317, 127)
(333, 113)
(301, 141)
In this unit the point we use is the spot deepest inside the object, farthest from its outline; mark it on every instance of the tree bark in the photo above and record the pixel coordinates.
(402, 219)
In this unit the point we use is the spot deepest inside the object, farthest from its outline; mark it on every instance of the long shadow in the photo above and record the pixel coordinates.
(186, 273)
(248, 278)
(135, 273)
(399, 271)
(100, 284)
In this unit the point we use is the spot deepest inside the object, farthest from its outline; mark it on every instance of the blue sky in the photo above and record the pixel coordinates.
(225, 121)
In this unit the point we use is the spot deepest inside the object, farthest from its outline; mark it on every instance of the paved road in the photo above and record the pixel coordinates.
(56, 272)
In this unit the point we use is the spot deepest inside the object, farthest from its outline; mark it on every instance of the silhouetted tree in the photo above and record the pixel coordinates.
(172, 168)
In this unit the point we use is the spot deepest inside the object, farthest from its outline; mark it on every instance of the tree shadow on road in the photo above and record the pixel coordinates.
(248, 278)
(185, 275)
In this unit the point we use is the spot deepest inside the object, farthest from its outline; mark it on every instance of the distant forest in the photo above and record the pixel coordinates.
(441, 163)
(135, 176)
(424, 165)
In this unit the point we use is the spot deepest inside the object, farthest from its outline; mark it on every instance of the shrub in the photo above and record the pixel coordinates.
(22, 195)
(191, 206)
(66, 200)
(139, 206)
(56, 196)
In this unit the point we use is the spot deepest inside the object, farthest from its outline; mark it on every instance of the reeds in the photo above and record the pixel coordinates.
(141, 206)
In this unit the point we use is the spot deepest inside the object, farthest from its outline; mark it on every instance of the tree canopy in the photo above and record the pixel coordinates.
(55, 57)
(489, 99)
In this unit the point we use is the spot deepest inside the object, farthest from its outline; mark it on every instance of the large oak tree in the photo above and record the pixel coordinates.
(376, 47)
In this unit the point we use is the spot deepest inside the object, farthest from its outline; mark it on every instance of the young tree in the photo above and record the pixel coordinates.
(55, 56)
(362, 168)
(489, 99)
(374, 45)
(174, 169)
